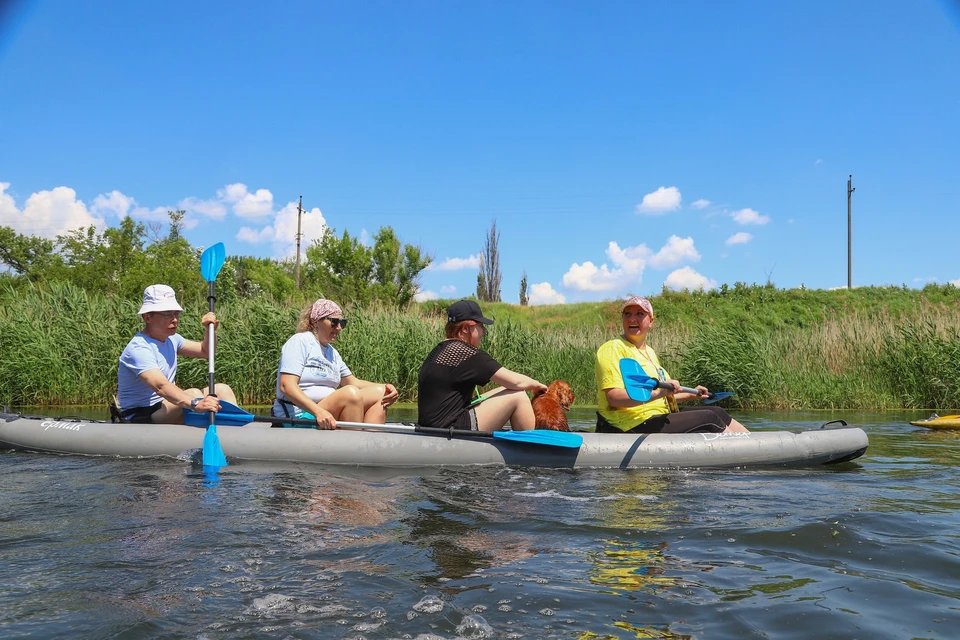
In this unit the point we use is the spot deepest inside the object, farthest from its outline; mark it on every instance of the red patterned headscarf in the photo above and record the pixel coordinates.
(323, 308)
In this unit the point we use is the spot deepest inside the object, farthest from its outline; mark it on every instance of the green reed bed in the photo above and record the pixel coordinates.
(59, 345)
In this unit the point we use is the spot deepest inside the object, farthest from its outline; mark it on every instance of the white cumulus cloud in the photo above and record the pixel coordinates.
(455, 264)
(214, 209)
(114, 203)
(254, 236)
(700, 204)
(955, 283)
(628, 269)
(663, 200)
(47, 213)
(245, 204)
(282, 234)
(687, 278)
(423, 296)
(589, 277)
(543, 293)
(157, 214)
(749, 216)
(447, 289)
(676, 250)
(739, 238)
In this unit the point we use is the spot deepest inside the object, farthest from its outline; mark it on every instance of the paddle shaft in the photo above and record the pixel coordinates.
(211, 348)
(394, 428)
(696, 392)
(399, 428)
(667, 385)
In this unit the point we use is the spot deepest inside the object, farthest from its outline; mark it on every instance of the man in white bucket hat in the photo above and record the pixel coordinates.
(146, 380)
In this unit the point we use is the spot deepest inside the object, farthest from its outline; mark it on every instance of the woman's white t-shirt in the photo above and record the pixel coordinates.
(319, 367)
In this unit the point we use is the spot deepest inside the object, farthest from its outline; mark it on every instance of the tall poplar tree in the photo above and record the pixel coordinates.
(488, 280)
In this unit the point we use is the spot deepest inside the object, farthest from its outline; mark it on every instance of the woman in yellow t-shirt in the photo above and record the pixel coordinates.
(619, 413)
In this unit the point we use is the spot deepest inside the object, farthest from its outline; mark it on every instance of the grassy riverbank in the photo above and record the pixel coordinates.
(870, 348)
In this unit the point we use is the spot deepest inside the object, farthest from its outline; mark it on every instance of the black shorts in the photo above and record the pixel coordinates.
(689, 420)
(142, 415)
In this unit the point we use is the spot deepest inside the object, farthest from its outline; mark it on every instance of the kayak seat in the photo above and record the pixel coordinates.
(115, 415)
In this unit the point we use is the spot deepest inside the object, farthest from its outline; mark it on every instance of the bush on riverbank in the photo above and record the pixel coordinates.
(875, 348)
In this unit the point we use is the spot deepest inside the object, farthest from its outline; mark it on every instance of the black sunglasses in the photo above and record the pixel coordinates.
(337, 322)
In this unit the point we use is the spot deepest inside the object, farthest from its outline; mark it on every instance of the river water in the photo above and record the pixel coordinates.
(110, 548)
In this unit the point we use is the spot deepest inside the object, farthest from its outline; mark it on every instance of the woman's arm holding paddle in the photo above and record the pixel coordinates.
(617, 396)
(290, 388)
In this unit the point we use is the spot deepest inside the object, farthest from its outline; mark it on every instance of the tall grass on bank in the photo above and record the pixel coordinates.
(59, 345)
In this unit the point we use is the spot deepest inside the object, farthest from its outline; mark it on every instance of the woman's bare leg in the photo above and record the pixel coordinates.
(224, 392)
(503, 405)
(735, 427)
(373, 410)
(344, 404)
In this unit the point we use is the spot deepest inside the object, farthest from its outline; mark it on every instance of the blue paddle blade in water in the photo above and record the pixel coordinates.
(211, 261)
(542, 437)
(212, 452)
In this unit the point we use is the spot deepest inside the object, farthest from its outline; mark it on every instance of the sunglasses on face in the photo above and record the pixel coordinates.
(337, 322)
(167, 315)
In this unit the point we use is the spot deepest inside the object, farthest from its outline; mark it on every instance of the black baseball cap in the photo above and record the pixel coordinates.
(466, 310)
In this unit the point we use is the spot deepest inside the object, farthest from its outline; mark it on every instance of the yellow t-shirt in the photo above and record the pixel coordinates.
(606, 368)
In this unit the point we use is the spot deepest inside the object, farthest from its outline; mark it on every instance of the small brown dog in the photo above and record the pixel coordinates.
(550, 407)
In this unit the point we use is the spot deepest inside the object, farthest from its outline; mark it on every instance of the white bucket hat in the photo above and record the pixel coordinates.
(159, 297)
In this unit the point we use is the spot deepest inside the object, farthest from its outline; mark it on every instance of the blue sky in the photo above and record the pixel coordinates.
(620, 146)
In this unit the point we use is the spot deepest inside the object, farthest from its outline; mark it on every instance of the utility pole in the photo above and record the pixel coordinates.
(296, 269)
(850, 190)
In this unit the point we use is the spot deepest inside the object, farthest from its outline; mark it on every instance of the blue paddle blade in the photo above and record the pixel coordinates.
(211, 260)
(718, 396)
(230, 415)
(212, 452)
(543, 437)
(637, 383)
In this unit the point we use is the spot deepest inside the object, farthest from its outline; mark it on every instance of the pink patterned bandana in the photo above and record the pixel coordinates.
(323, 308)
(637, 301)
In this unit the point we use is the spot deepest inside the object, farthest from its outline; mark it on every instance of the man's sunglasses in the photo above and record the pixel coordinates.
(337, 322)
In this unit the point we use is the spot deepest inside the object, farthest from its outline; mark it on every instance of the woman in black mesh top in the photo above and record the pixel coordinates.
(457, 367)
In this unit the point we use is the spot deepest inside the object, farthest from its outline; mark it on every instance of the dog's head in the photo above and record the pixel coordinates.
(563, 393)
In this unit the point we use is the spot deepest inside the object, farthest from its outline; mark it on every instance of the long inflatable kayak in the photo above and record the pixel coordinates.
(938, 422)
(399, 446)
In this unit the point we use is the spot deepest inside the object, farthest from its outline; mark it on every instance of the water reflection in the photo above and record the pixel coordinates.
(457, 523)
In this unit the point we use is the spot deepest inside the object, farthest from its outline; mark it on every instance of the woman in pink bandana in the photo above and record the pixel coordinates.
(314, 382)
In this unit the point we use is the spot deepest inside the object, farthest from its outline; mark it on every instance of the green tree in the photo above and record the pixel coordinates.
(112, 261)
(26, 256)
(172, 261)
(488, 281)
(339, 268)
(263, 276)
(397, 268)
(343, 269)
(523, 290)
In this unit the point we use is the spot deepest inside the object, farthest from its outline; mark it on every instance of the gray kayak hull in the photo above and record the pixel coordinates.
(380, 448)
